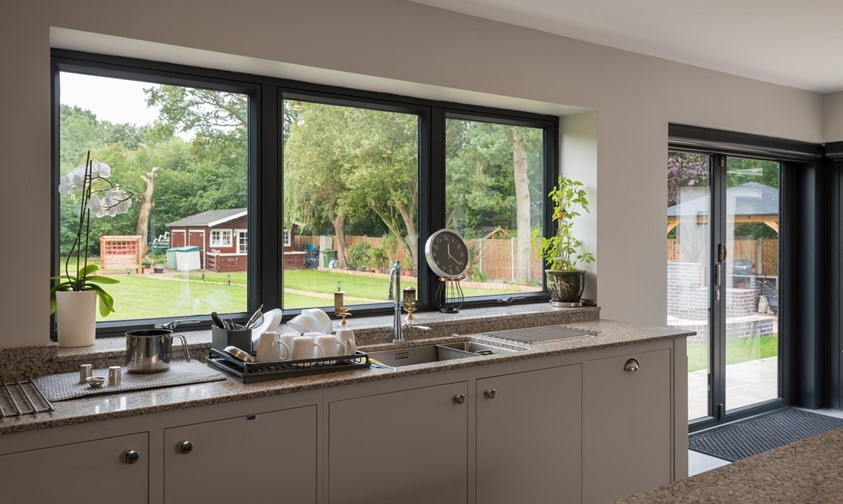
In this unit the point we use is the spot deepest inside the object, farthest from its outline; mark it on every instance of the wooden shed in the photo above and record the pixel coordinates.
(223, 239)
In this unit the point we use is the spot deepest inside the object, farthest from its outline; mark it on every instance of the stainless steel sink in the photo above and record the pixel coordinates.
(408, 356)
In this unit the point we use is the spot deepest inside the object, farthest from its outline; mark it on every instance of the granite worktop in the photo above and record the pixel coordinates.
(804, 472)
(609, 334)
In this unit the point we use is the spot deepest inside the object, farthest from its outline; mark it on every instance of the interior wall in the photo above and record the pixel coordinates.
(382, 40)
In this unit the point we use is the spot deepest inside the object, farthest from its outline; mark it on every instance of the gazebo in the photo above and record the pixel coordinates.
(747, 203)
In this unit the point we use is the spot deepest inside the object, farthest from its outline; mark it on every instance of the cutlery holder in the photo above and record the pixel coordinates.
(221, 338)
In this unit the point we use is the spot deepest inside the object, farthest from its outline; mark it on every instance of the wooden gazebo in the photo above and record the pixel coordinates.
(747, 203)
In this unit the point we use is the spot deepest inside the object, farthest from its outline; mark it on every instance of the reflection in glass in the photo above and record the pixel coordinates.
(688, 238)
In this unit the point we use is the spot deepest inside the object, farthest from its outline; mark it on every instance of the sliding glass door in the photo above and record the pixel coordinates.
(723, 270)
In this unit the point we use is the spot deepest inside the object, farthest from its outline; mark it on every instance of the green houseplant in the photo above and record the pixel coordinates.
(77, 289)
(562, 252)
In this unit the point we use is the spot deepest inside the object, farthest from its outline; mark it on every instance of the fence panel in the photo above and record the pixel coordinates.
(762, 252)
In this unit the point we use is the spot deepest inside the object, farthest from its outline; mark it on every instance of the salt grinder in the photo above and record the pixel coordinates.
(85, 372)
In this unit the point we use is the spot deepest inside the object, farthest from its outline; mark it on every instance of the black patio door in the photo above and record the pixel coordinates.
(723, 281)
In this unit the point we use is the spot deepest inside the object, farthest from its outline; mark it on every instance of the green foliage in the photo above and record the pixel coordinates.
(358, 255)
(378, 258)
(84, 281)
(562, 251)
(479, 170)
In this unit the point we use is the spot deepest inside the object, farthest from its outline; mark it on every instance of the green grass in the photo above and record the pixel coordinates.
(144, 296)
(737, 351)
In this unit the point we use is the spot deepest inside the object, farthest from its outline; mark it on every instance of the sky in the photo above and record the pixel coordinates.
(114, 100)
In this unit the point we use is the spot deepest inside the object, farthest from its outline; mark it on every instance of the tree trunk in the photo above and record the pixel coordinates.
(338, 221)
(147, 203)
(523, 249)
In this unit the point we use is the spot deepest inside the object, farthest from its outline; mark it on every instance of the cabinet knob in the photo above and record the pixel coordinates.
(185, 447)
(490, 393)
(131, 456)
(459, 398)
(631, 365)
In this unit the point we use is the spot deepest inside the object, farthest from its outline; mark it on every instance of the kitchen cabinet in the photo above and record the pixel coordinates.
(92, 471)
(409, 446)
(269, 456)
(627, 431)
(528, 436)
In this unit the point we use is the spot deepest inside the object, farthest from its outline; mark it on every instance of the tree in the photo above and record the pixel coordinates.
(685, 169)
(146, 205)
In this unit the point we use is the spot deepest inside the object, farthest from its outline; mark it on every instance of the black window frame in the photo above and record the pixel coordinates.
(265, 167)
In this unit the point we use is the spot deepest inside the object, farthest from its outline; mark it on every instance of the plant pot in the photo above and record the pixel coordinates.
(158, 270)
(76, 317)
(565, 287)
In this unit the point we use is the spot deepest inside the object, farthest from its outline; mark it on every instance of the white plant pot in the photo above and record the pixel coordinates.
(76, 317)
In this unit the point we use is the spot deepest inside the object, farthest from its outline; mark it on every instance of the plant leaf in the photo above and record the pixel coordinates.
(102, 279)
(106, 302)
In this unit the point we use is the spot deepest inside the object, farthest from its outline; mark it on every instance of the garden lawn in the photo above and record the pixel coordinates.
(143, 296)
(741, 350)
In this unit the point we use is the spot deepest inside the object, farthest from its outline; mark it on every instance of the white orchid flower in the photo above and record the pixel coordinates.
(77, 177)
(100, 170)
(65, 186)
(95, 206)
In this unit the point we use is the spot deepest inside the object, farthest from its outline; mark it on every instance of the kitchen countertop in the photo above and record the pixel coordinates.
(104, 407)
(804, 472)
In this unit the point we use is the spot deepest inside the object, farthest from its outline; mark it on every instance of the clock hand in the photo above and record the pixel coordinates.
(449, 253)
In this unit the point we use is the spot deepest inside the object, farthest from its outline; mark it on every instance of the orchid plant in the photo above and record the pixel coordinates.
(99, 197)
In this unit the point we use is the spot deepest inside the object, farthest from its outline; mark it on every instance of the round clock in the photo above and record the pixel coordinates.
(447, 253)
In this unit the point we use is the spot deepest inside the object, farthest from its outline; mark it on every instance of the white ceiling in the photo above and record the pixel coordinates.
(796, 43)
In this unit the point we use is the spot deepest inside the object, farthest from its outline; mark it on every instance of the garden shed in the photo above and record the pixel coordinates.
(223, 239)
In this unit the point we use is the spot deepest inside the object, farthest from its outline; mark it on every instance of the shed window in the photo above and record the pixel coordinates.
(221, 238)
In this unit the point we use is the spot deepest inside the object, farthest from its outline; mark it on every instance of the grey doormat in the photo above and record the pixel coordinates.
(755, 435)
(60, 387)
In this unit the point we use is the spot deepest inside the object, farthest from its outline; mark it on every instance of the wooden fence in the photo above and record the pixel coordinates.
(494, 258)
(764, 253)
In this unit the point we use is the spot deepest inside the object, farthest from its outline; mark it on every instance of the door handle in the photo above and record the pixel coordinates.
(717, 274)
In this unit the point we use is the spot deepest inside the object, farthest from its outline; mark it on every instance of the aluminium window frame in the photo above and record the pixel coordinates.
(265, 167)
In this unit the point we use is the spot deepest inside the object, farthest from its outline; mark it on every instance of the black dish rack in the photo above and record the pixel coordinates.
(252, 372)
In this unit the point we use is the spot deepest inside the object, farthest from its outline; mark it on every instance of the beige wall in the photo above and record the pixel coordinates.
(399, 46)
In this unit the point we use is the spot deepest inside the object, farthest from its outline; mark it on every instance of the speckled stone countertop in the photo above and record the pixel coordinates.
(804, 472)
(136, 403)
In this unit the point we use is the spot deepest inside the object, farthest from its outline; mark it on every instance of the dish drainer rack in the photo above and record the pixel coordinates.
(252, 372)
(23, 398)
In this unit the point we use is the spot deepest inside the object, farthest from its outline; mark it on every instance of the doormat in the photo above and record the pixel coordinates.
(755, 435)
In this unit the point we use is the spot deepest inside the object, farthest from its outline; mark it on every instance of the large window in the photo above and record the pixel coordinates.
(250, 191)
(494, 193)
(181, 153)
(351, 201)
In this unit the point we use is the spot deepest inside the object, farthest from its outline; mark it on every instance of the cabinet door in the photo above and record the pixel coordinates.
(267, 457)
(408, 447)
(627, 425)
(92, 471)
(528, 437)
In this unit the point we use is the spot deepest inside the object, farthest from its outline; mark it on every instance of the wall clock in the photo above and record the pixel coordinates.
(447, 254)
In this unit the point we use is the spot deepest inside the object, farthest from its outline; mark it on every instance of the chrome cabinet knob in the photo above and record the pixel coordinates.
(631, 365)
(185, 447)
(490, 393)
(131, 456)
(459, 398)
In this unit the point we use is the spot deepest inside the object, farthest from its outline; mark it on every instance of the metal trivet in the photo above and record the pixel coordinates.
(542, 333)
(63, 386)
(23, 398)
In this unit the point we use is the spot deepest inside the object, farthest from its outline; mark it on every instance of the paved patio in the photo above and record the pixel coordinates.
(746, 383)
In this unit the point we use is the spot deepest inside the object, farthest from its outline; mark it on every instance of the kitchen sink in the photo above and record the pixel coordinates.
(408, 356)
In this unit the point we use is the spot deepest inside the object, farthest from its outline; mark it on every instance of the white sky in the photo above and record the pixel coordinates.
(115, 100)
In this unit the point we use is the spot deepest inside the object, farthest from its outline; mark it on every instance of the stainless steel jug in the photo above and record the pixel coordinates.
(150, 350)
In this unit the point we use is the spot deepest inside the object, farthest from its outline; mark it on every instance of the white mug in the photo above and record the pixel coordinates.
(269, 348)
(304, 347)
(287, 341)
(347, 341)
(329, 345)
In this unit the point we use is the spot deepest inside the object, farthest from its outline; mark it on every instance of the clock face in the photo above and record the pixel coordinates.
(446, 253)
